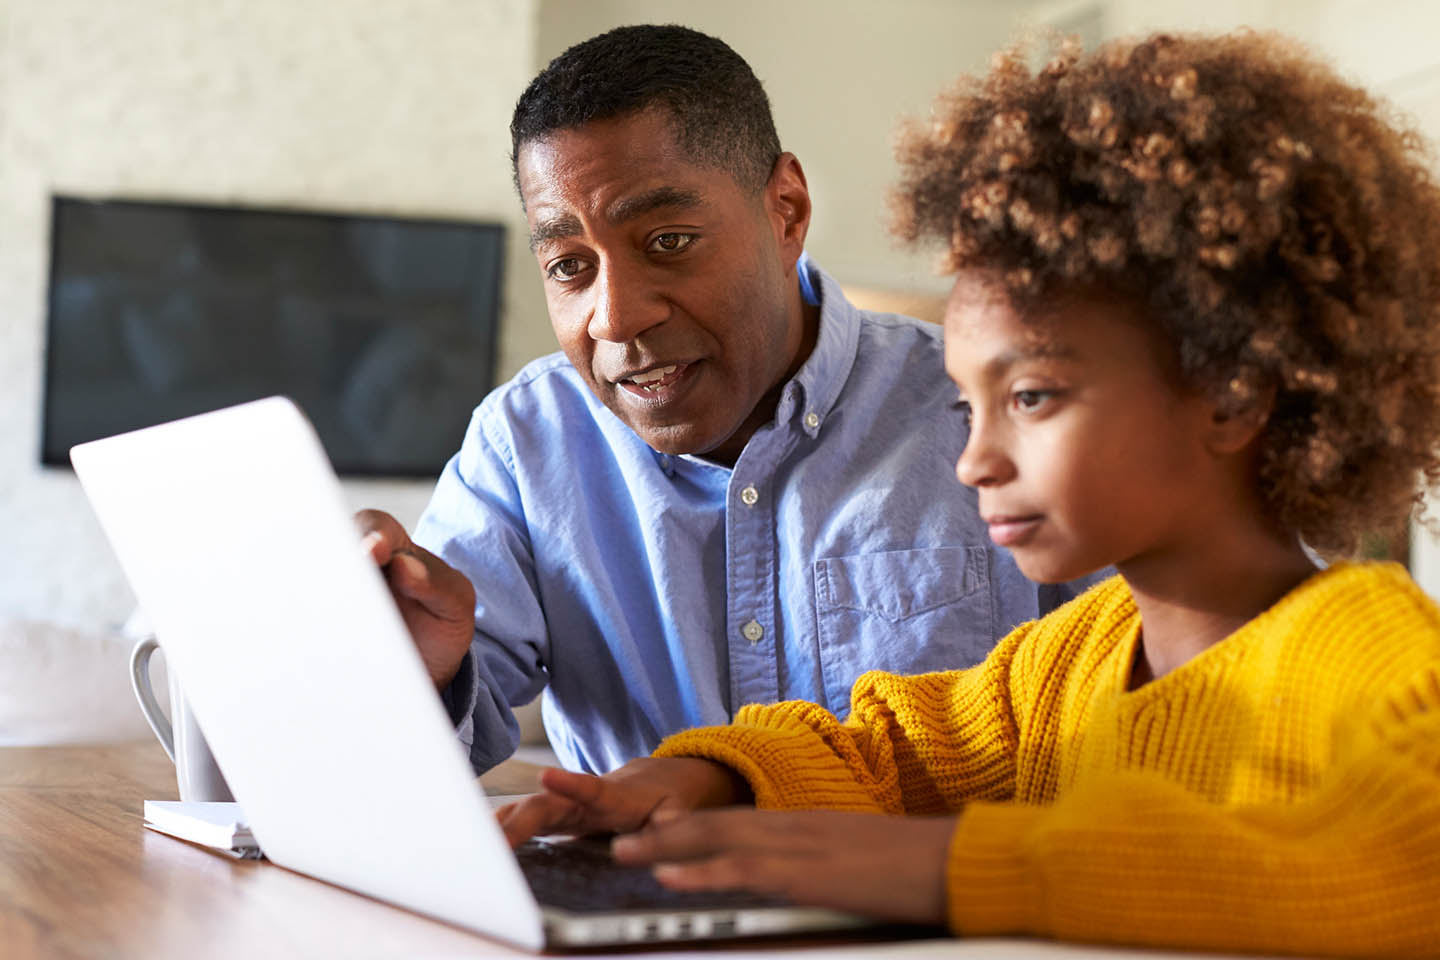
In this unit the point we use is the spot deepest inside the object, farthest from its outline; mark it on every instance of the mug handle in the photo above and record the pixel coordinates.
(145, 693)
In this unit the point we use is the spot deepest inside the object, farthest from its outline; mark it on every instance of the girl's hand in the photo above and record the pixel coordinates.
(579, 803)
(881, 866)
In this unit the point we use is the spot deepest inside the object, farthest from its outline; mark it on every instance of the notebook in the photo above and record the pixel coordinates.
(234, 532)
(219, 825)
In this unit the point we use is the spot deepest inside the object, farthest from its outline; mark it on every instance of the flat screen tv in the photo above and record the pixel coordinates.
(382, 329)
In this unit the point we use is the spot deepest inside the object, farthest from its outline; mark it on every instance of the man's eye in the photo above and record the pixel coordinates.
(672, 242)
(564, 269)
(962, 407)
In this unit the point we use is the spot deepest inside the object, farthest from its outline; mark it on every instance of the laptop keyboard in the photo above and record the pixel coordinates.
(581, 876)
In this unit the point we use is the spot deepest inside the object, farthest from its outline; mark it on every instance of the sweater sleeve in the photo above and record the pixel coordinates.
(923, 744)
(1352, 869)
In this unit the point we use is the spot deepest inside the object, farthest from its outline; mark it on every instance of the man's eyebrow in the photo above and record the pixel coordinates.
(628, 208)
(554, 228)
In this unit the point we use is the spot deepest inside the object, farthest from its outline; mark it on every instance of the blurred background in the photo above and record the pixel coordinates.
(400, 108)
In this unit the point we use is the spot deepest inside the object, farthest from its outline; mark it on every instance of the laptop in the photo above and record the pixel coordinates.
(233, 530)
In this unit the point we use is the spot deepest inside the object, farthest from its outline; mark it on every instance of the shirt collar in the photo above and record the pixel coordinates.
(812, 392)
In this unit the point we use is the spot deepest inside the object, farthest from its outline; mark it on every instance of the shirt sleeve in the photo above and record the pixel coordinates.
(923, 744)
(1353, 868)
(476, 522)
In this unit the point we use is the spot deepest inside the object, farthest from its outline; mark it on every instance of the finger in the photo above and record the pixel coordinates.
(504, 811)
(417, 574)
(412, 571)
(670, 837)
(583, 788)
(818, 881)
(380, 534)
(537, 815)
(691, 834)
(609, 804)
(409, 574)
(728, 849)
(724, 872)
(668, 811)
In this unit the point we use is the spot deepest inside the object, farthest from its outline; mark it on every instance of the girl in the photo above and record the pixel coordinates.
(1195, 331)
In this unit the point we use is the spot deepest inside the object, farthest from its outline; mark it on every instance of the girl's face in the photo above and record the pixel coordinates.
(1081, 449)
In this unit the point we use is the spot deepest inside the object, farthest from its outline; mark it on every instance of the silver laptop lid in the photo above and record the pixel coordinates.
(233, 531)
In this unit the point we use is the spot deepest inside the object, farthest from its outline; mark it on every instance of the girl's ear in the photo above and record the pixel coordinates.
(1236, 420)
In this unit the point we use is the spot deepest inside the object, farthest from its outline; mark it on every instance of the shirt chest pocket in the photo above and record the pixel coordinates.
(906, 611)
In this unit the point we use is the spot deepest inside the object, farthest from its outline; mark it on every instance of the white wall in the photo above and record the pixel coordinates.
(840, 74)
(379, 106)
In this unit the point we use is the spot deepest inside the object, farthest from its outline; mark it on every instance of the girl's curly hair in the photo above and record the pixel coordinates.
(1276, 222)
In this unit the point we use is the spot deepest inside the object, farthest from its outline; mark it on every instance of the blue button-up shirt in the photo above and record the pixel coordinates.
(648, 593)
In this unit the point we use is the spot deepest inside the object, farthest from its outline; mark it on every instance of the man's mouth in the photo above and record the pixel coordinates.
(656, 382)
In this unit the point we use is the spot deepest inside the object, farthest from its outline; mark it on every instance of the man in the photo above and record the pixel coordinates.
(710, 498)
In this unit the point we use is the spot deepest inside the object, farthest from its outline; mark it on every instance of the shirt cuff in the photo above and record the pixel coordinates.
(461, 697)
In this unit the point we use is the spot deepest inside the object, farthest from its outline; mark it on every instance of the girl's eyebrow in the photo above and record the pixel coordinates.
(1001, 363)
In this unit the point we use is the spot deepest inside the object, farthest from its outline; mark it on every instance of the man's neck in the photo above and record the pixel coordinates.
(764, 412)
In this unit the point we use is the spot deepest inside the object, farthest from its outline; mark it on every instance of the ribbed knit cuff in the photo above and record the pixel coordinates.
(787, 769)
(990, 885)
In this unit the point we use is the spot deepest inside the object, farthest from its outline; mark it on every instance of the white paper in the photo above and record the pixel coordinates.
(218, 825)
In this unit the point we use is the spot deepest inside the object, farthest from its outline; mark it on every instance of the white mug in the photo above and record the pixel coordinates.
(196, 772)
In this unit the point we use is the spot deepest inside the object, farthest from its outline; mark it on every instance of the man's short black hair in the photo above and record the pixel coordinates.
(718, 111)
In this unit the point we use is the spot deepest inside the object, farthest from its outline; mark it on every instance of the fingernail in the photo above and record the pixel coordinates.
(370, 541)
(665, 816)
(668, 872)
(624, 846)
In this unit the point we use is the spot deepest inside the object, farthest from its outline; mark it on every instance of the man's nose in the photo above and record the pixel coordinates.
(984, 462)
(626, 304)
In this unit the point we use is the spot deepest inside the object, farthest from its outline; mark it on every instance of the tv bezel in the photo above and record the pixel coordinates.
(499, 228)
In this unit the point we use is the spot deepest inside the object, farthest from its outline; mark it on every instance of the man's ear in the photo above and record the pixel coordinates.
(1238, 417)
(787, 202)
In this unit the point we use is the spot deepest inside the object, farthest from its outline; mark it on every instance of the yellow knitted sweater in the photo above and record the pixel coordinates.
(1278, 792)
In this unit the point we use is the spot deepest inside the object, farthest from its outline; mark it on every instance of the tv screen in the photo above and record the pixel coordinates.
(382, 329)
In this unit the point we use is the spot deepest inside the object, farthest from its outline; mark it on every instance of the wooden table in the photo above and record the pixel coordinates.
(80, 877)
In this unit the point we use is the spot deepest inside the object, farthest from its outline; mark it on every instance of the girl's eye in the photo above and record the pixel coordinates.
(564, 269)
(1029, 401)
(962, 407)
(672, 242)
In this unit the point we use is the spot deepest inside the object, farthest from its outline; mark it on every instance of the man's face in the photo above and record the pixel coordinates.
(670, 287)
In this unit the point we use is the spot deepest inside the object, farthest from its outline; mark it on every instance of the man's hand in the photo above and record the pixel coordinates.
(579, 803)
(436, 601)
(888, 867)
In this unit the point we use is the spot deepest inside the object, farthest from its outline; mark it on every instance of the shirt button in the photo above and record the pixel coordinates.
(753, 632)
(812, 420)
(749, 496)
